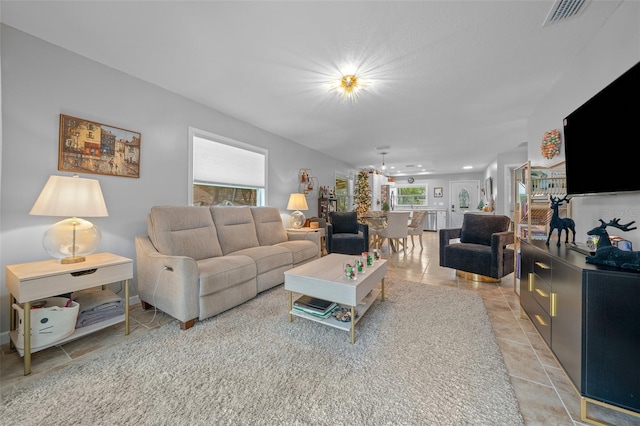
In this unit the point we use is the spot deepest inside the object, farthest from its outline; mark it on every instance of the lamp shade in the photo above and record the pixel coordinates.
(70, 196)
(297, 201)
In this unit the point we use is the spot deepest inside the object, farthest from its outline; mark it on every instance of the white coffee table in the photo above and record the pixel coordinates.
(323, 279)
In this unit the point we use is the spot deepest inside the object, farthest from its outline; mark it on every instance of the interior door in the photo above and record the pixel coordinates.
(464, 197)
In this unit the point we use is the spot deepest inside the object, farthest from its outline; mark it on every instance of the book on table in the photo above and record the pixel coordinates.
(314, 306)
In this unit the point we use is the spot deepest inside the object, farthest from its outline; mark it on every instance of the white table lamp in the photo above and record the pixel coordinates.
(70, 240)
(297, 202)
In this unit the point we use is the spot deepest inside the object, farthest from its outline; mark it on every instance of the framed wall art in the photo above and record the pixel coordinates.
(437, 192)
(89, 147)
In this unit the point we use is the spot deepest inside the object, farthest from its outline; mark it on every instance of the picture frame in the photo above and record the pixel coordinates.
(89, 147)
(437, 192)
(488, 189)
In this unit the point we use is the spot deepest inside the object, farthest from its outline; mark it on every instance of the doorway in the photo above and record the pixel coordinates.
(464, 196)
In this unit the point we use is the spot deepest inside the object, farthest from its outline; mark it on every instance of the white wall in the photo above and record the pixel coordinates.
(611, 53)
(40, 81)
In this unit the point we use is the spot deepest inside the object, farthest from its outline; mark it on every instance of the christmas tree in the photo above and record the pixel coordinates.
(363, 194)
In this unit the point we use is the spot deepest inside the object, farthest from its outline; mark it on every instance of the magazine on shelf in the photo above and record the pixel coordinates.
(315, 313)
(314, 306)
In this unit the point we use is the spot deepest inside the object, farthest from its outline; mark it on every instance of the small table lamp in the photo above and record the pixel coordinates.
(297, 202)
(73, 238)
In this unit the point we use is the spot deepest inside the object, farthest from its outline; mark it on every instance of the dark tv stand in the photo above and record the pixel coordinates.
(589, 316)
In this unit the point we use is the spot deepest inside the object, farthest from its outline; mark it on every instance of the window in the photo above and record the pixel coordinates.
(342, 192)
(226, 172)
(412, 195)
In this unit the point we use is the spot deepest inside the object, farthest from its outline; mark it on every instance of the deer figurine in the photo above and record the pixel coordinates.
(607, 254)
(561, 224)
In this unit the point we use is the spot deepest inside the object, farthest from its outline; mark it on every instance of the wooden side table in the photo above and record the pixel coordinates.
(28, 282)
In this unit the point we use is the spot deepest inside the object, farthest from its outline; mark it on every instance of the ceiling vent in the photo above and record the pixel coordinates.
(564, 9)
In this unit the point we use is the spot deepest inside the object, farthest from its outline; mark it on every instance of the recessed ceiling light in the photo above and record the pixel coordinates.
(468, 167)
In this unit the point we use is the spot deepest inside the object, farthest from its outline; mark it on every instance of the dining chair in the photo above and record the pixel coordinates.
(416, 227)
(396, 231)
(377, 221)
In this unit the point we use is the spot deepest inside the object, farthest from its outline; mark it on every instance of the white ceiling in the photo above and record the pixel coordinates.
(451, 83)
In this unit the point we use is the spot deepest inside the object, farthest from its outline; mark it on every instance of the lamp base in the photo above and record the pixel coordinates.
(72, 259)
(297, 219)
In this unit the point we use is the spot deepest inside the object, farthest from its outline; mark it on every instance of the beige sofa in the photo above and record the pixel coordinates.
(196, 262)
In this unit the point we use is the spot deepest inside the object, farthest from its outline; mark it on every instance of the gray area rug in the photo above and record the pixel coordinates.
(425, 356)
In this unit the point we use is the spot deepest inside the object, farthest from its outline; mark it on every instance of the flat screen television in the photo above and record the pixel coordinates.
(602, 140)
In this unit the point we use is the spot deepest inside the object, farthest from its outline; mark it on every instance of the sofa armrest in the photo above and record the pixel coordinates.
(499, 241)
(364, 228)
(311, 236)
(446, 235)
(502, 239)
(329, 237)
(170, 283)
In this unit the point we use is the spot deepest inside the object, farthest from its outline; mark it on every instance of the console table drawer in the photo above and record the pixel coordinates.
(542, 293)
(541, 320)
(542, 267)
(50, 278)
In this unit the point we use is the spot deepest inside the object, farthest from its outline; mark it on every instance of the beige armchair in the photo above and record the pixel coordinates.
(416, 226)
(396, 231)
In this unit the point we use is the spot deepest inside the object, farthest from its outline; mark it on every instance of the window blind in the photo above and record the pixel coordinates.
(224, 164)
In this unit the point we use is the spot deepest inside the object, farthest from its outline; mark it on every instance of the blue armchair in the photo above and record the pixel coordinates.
(345, 235)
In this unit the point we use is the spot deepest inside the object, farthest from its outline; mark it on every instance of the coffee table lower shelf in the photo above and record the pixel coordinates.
(362, 307)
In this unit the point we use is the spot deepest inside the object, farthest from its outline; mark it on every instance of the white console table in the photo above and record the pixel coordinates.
(28, 282)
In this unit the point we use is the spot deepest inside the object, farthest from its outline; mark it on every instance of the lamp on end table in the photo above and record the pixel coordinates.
(70, 240)
(297, 202)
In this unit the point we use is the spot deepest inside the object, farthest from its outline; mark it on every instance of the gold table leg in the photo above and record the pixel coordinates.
(27, 338)
(12, 319)
(382, 294)
(126, 306)
(290, 306)
(353, 325)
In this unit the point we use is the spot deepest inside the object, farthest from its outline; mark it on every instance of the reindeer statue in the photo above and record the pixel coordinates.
(607, 254)
(561, 224)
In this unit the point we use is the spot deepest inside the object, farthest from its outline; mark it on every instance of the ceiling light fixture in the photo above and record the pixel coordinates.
(349, 86)
(383, 166)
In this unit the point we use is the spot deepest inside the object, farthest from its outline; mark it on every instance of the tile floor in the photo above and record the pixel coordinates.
(545, 394)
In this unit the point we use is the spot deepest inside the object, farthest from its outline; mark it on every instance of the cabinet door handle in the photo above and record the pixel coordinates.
(542, 293)
(531, 278)
(542, 265)
(540, 320)
(553, 304)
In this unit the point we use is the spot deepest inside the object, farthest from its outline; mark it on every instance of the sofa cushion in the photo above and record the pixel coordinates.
(224, 272)
(344, 222)
(478, 228)
(269, 226)
(236, 228)
(183, 231)
(268, 257)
